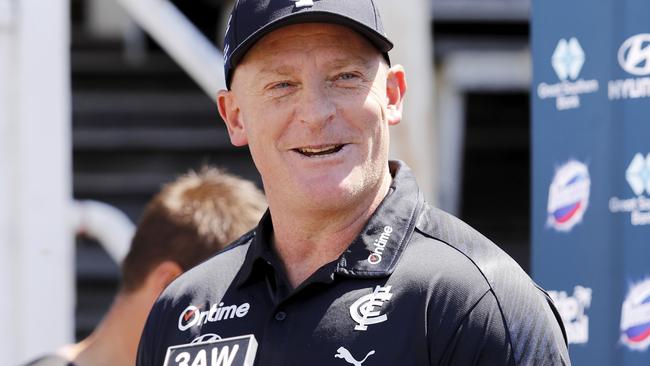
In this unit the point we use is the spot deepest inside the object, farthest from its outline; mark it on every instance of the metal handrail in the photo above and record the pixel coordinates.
(181, 40)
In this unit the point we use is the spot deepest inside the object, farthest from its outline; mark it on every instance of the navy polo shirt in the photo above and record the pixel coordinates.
(416, 287)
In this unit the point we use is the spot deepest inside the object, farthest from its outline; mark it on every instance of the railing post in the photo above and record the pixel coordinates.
(36, 251)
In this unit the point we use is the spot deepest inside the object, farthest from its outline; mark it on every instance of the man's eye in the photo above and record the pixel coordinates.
(281, 85)
(347, 76)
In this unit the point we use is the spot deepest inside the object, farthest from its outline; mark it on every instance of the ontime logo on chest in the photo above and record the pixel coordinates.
(367, 310)
(193, 316)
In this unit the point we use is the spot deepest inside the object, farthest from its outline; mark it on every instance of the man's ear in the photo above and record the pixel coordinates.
(231, 115)
(395, 91)
(162, 275)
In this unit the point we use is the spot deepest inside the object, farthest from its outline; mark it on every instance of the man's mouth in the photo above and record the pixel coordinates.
(319, 150)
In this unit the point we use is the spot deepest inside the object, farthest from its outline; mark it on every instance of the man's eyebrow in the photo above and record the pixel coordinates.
(336, 63)
(356, 60)
(276, 70)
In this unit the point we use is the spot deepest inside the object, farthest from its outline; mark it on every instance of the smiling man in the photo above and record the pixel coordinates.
(350, 265)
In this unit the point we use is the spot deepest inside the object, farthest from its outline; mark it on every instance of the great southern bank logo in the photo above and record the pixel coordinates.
(638, 178)
(572, 309)
(634, 58)
(193, 316)
(567, 61)
(635, 317)
(568, 196)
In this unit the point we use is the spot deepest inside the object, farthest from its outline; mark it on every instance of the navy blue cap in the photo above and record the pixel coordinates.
(251, 20)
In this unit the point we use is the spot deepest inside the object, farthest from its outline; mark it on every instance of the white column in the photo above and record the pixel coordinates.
(7, 26)
(36, 252)
(408, 25)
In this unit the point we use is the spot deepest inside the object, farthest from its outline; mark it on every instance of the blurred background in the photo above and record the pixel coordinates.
(126, 115)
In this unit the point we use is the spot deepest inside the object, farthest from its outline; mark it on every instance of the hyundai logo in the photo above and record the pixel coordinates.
(634, 55)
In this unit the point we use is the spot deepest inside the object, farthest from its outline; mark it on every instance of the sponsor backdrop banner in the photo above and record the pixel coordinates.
(591, 173)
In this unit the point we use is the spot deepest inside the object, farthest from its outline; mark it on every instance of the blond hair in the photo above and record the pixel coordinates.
(191, 219)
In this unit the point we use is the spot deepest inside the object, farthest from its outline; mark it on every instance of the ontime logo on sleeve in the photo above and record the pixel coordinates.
(193, 316)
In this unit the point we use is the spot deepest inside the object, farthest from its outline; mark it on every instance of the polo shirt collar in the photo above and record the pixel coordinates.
(379, 246)
(374, 252)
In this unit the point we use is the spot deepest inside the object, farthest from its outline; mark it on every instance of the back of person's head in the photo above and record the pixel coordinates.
(190, 220)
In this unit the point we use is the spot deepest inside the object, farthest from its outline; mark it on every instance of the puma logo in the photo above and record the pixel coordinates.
(347, 356)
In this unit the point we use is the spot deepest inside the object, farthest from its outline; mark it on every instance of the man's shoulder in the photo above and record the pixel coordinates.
(215, 274)
(519, 300)
(471, 246)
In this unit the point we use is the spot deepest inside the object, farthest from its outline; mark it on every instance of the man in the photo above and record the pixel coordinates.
(188, 221)
(349, 265)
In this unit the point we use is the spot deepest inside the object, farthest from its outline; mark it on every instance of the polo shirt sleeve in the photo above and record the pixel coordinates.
(481, 337)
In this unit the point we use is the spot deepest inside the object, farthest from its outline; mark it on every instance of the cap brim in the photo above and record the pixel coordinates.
(380, 41)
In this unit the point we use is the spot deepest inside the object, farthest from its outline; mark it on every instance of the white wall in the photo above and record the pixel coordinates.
(36, 267)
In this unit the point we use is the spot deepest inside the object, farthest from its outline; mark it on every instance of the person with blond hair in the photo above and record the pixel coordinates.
(188, 221)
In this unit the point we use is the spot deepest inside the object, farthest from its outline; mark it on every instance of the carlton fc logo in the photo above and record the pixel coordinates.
(367, 310)
(635, 317)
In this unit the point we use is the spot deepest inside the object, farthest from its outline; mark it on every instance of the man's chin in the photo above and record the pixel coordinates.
(328, 196)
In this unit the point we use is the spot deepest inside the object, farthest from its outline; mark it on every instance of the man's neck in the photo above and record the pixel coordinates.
(305, 242)
(115, 340)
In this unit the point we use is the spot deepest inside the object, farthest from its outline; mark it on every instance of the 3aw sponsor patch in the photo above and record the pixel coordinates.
(235, 351)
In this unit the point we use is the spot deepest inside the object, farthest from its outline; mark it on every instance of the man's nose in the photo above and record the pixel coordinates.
(316, 105)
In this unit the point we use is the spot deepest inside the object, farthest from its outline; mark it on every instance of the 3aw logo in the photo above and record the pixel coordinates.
(367, 310)
(213, 351)
(567, 60)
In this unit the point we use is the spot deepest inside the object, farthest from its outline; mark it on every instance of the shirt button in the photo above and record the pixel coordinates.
(280, 316)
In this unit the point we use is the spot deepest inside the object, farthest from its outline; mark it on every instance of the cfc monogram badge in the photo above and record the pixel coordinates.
(367, 310)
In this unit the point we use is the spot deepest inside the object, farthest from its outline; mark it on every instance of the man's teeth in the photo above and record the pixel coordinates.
(309, 151)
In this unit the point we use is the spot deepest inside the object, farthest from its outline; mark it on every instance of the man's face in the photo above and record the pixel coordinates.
(313, 102)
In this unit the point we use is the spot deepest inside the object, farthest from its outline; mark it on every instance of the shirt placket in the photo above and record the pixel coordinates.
(283, 320)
